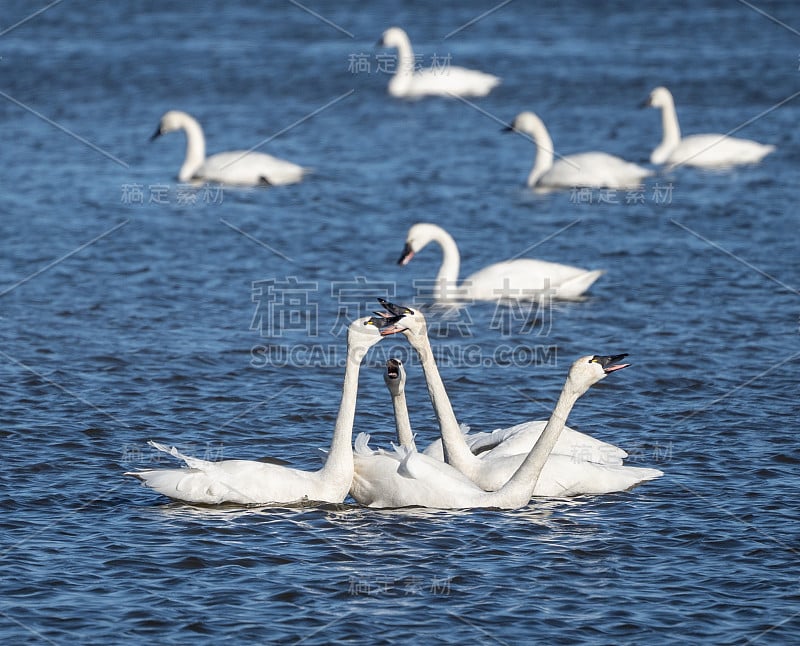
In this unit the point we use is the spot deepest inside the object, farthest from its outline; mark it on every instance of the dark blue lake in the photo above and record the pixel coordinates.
(133, 307)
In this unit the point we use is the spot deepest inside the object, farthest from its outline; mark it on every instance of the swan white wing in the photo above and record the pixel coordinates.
(717, 151)
(528, 279)
(405, 478)
(445, 81)
(518, 439)
(243, 482)
(563, 476)
(593, 169)
(249, 169)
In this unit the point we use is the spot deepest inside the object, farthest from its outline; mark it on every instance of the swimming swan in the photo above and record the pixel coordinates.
(524, 279)
(563, 475)
(249, 482)
(395, 379)
(439, 81)
(579, 447)
(424, 483)
(378, 469)
(592, 169)
(239, 167)
(705, 151)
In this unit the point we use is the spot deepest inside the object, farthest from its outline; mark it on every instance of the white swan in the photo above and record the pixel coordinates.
(523, 279)
(249, 482)
(395, 379)
(239, 167)
(563, 474)
(378, 469)
(501, 442)
(444, 80)
(592, 169)
(423, 482)
(705, 151)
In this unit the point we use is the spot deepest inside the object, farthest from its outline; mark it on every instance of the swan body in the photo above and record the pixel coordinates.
(704, 151)
(491, 474)
(423, 482)
(446, 80)
(523, 279)
(519, 439)
(590, 169)
(238, 167)
(250, 482)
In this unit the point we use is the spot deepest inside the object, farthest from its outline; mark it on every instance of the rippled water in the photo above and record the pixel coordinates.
(129, 310)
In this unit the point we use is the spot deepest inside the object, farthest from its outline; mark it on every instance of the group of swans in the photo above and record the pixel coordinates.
(512, 465)
(520, 279)
(601, 170)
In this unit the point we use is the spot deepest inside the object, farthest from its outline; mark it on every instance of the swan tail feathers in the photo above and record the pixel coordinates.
(577, 285)
(362, 445)
(194, 463)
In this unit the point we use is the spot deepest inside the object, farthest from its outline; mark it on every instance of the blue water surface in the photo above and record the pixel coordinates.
(133, 308)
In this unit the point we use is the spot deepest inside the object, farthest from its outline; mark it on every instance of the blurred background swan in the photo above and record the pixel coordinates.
(590, 169)
(704, 151)
(444, 80)
(237, 167)
(523, 278)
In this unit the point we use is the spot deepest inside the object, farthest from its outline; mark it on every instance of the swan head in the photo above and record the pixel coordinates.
(661, 97)
(170, 122)
(399, 319)
(395, 377)
(527, 122)
(417, 238)
(394, 37)
(588, 370)
(365, 332)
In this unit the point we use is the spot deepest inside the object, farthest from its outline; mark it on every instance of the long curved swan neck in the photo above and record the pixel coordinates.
(671, 132)
(405, 435)
(447, 278)
(339, 463)
(543, 161)
(456, 450)
(195, 148)
(519, 488)
(405, 64)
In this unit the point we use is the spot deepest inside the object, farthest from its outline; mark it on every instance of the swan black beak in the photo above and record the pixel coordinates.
(156, 134)
(507, 129)
(398, 311)
(610, 363)
(645, 104)
(406, 256)
(386, 324)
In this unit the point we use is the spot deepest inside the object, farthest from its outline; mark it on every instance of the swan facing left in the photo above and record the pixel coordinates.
(237, 167)
(703, 151)
(525, 279)
(250, 482)
(590, 169)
